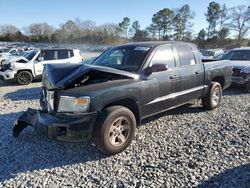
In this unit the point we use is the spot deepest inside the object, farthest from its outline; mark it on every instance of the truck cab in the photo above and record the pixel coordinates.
(106, 100)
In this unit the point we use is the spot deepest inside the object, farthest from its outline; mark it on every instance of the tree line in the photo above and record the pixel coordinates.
(226, 27)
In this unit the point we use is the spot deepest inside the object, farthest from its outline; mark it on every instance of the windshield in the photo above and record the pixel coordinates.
(127, 58)
(208, 53)
(243, 55)
(4, 50)
(30, 55)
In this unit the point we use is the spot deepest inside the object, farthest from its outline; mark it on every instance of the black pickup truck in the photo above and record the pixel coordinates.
(106, 100)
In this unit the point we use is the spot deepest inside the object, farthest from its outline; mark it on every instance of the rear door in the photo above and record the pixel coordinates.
(160, 87)
(192, 72)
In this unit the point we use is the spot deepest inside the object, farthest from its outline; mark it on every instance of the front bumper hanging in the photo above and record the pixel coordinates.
(68, 127)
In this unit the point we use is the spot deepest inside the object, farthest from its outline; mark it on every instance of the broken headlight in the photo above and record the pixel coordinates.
(245, 70)
(5, 67)
(73, 104)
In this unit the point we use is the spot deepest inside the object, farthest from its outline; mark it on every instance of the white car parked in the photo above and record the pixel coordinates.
(212, 53)
(6, 53)
(25, 69)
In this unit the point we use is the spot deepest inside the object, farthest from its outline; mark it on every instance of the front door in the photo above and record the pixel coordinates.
(160, 87)
(48, 57)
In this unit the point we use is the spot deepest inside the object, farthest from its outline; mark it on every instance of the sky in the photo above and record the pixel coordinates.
(55, 12)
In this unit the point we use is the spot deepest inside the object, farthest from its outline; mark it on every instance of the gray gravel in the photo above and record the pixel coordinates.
(185, 147)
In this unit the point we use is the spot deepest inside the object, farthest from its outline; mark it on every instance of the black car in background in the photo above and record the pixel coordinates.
(240, 58)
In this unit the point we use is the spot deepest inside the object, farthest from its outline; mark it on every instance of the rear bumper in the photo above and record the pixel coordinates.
(62, 127)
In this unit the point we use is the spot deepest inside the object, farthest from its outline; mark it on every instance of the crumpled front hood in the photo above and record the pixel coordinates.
(17, 59)
(61, 76)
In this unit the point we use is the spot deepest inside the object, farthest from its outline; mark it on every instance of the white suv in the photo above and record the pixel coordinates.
(29, 67)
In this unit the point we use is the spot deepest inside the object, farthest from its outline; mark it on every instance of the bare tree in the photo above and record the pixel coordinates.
(39, 30)
(85, 25)
(8, 29)
(240, 21)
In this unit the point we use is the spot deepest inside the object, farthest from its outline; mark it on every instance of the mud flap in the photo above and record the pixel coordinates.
(28, 118)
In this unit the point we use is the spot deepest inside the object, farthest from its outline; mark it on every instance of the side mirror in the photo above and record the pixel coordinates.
(41, 59)
(158, 67)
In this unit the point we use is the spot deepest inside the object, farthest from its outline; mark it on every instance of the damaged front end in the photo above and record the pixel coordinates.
(241, 76)
(62, 127)
(6, 72)
(63, 116)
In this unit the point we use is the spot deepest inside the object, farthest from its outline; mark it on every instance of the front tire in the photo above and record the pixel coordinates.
(213, 98)
(115, 130)
(24, 77)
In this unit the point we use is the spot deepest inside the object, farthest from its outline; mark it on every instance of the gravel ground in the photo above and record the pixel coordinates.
(185, 147)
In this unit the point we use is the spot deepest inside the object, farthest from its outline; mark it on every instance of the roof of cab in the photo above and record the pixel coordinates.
(155, 43)
(243, 48)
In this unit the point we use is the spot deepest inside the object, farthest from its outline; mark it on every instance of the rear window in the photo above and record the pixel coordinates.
(71, 53)
(186, 55)
(164, 55)
(62, 54)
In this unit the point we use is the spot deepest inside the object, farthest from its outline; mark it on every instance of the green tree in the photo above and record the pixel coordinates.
(201, 38)
(140, 35)
(124, 25)
(152, 30)
(202, 34)
(223, 33)
(182, 24)
(136, 25)
(163, 21)
(212, 17)
(134, 28)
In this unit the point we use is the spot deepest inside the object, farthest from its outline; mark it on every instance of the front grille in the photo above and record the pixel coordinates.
(236, 72)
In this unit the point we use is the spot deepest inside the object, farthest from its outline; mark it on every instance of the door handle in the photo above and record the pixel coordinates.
(174, 77)
(197, 72)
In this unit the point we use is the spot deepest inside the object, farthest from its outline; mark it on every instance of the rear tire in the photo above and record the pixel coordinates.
(213, 98)
(24, 77)
(115, 130)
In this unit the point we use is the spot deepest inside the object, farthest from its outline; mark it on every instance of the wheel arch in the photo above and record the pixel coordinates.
(25, 70)
(129, 103)
(220, 80)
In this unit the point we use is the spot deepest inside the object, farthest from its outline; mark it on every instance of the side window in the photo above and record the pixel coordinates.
(186, 55)
(13, 51)
(71, 54)
(62, 54)
(48, 55)
(164, 55)
(241, 55)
